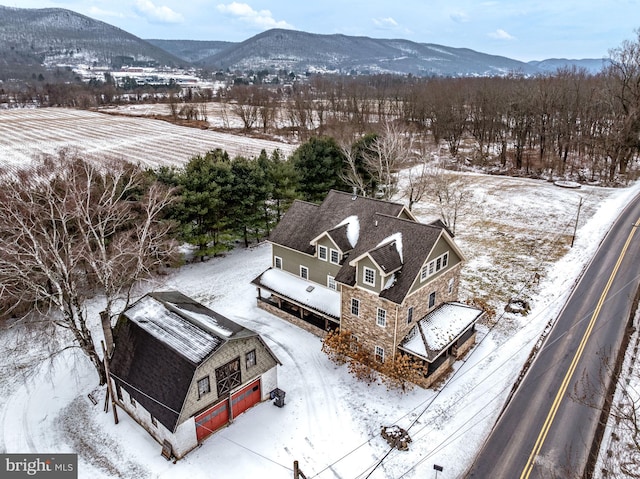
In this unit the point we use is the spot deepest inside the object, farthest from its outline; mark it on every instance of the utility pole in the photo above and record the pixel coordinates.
(575, 228)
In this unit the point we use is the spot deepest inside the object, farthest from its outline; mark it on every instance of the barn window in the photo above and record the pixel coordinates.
(133, 401)
(251, 358)
(228, 377)
(203, 386)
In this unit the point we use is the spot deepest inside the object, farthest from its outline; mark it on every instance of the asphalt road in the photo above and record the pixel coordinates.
(546, 432)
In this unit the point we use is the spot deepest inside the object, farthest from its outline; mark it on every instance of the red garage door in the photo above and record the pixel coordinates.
(245, 398)
(210, 420)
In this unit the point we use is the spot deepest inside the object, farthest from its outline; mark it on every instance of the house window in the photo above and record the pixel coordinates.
(335, 256)
(203, 386)
(331, 282)
(452, 282)
(424, 274)
(322, 252)
(355, 307)
(304, 272)
(228, 377)
(381, 317)
(251, 358)
(369, 276)
(277, 260)
(409, 314)
(153, 421)
(133, 401)
(432, 299)
(434, 266)
(379, 354)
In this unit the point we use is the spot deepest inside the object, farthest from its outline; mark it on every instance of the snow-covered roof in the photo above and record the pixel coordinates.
(353, 229)
(397, 238)
(184, 337)
(305, 292)
(439, 329)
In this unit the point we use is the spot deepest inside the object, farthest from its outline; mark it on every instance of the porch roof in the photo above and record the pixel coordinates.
(306, 293)
(439, 329)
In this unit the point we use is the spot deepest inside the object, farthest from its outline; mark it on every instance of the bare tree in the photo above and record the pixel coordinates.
(391, 150)
(72, 230)
(452, 193)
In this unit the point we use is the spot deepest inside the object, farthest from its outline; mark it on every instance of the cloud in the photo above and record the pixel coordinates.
(157, 14)
(385, 22)
(98, 12)
(501, 34)
(245, 13)
(459, 17)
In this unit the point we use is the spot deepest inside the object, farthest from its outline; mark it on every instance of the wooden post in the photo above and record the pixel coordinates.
(109, 387)
(575, 228)
(297, 473)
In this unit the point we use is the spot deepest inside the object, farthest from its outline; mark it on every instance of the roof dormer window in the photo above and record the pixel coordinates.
(369, 276)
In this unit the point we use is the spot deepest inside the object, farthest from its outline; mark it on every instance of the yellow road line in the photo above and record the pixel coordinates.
(574, 363)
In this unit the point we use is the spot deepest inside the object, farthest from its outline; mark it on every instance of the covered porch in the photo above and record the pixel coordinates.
(309, 305)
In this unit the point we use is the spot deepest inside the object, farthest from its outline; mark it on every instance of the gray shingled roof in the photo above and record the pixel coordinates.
(417, 242)
(159, 342)
(378, 220)
(387, 257)
(305, 221)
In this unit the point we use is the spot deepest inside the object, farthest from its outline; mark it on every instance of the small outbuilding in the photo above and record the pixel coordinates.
(183, 371)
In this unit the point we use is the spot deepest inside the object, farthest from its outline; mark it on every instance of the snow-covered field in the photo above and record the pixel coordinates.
(331, 423)
(26, 133)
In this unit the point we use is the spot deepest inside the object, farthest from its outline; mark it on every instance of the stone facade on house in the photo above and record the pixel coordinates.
(399, 270)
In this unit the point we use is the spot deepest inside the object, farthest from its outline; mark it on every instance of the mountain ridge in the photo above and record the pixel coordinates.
(56, 36)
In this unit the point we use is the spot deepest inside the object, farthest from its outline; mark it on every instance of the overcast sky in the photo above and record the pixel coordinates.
(520, 29)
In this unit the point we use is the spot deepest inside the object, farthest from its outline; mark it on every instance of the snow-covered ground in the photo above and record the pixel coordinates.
(331, 423)
(27, 133)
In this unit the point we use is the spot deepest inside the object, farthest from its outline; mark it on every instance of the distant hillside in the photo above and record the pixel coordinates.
(553, 64)
(57, 36)
(191, 50)
(300, 51)
(33, 38)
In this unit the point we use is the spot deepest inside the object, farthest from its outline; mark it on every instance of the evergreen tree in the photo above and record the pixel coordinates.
(319, 164)
(206, 185)
(283, 182)
(248, 197)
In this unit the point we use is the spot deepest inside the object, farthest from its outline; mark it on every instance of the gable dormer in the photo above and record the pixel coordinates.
(334, 244)
(376, 268)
